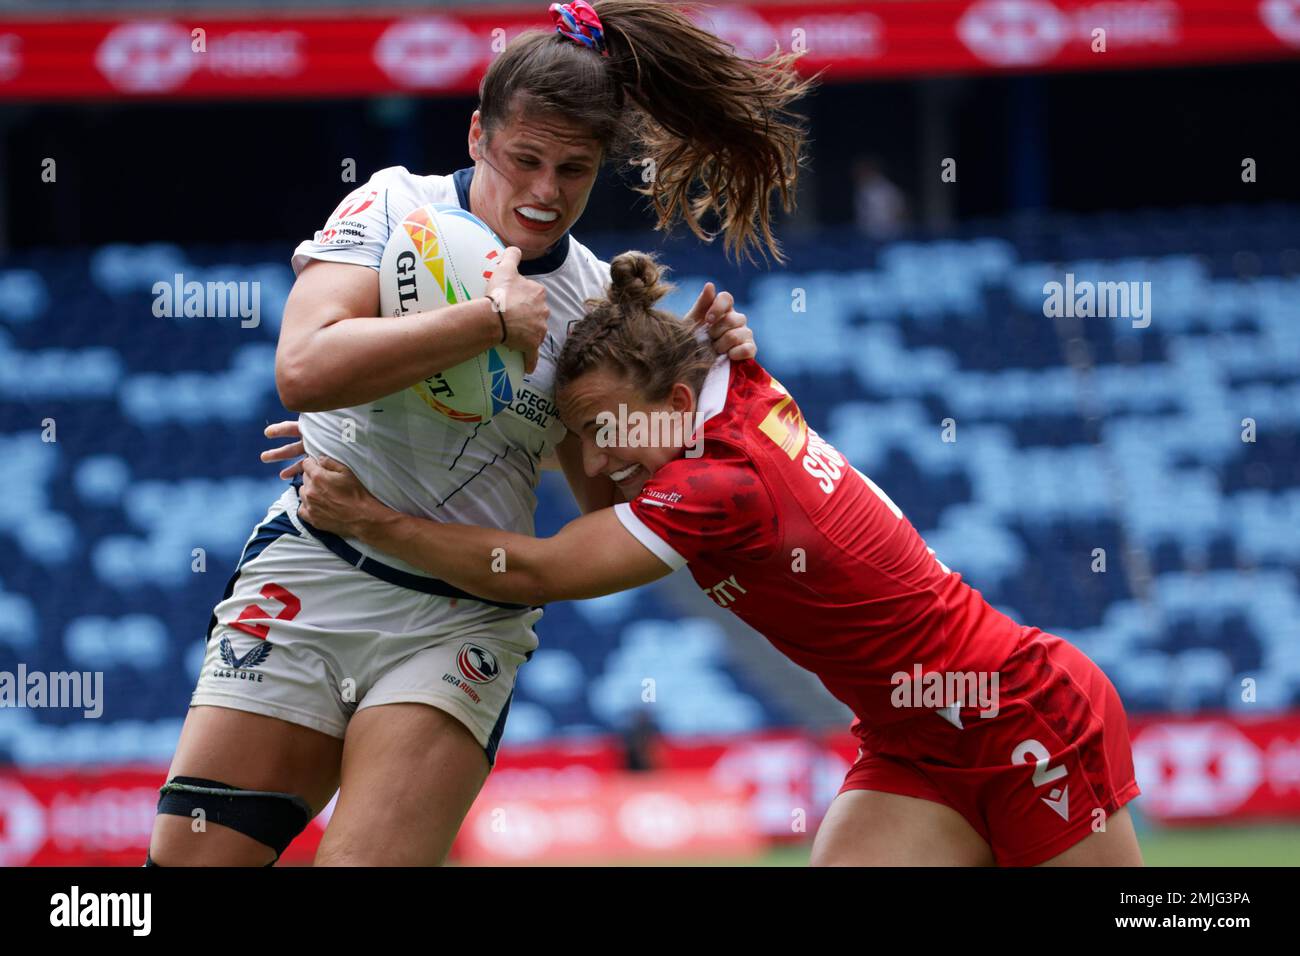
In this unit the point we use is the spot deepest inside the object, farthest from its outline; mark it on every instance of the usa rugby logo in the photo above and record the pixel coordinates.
(477, 664)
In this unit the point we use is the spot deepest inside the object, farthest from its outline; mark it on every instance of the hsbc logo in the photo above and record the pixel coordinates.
(22, 824)
(158, 57)
(146, 57)
(11, 56)
(428, 53)
(858, 34)
(1283, 18)
(749, 33)
(1196, 770)
(657, 820)
(1013, 32)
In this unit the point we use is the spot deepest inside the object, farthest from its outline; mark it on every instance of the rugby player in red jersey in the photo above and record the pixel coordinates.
(981, 741)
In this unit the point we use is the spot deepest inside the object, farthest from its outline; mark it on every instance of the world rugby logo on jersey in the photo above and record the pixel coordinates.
(477, 664)
(442, 255)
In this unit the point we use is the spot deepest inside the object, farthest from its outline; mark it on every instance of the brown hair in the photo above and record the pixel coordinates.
(626, 333)
(713, 128)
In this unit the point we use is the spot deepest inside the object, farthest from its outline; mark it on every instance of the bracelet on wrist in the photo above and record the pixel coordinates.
(501, 314)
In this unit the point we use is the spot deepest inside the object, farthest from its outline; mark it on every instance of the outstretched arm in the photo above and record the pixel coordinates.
(590, 556)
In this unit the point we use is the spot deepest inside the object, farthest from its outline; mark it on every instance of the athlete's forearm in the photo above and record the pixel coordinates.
(354, 361)
(590, 556)
(487, 562)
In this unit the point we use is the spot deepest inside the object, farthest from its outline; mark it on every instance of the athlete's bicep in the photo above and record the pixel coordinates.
(325, 293)
(596, 555)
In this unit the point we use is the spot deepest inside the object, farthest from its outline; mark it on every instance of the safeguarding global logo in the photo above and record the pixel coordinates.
(477, 664)
(503, 392)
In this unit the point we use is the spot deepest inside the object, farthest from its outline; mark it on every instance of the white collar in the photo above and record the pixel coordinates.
(713, 393)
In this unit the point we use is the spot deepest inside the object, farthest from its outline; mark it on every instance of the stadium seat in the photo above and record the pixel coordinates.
(1144, 456)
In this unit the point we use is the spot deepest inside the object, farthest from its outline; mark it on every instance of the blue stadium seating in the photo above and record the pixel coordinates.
(1138, 454)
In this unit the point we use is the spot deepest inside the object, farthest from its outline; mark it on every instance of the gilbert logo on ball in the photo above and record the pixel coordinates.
(442, 255)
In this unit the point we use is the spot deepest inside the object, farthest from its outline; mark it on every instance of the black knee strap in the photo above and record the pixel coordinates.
(270, 818)
(148, 860)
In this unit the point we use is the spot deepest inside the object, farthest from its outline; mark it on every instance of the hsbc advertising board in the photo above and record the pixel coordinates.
(300, 54)
(729, 795)
(1198, 769)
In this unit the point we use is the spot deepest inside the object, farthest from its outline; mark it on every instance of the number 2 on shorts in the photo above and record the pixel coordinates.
(292, 605)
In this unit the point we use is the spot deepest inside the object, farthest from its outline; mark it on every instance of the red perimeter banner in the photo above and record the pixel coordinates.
(714, 798)
(261, 55)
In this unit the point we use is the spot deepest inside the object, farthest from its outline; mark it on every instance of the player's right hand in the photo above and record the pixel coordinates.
(523, 303)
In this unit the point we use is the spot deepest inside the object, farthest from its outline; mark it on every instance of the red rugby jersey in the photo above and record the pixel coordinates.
(780, 530)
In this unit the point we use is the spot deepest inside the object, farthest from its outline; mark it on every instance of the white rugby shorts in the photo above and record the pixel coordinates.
(306, 637)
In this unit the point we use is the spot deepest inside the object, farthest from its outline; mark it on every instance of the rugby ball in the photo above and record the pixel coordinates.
(440, 255)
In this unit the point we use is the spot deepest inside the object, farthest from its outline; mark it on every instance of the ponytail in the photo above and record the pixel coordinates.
(714, 130)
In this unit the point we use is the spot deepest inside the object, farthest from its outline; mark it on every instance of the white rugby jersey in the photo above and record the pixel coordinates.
(409, 457)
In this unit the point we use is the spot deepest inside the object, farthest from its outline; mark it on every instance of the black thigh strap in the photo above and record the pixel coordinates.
(270, 818)
(148, 861)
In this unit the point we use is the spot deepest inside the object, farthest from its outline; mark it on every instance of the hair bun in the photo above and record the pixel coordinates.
(636, 280)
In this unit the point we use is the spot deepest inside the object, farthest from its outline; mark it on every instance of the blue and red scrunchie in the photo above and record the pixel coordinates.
(578, 22)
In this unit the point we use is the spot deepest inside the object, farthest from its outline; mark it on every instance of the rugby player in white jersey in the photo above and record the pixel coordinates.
(331, 666)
